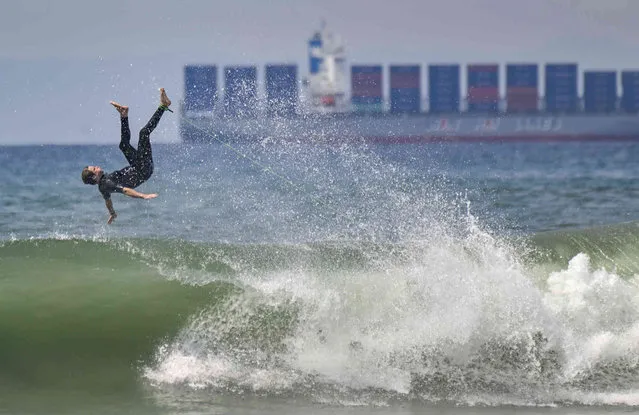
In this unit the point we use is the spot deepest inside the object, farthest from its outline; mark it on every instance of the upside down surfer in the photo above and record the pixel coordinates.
(140, 166)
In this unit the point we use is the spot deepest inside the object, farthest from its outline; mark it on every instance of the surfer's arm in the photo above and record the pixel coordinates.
(112, 214)
(134, 193)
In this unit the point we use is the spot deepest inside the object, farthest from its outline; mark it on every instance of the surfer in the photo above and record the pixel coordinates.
(140, 161)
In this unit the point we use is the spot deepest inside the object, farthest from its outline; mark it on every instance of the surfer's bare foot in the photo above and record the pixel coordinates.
(122, 109)
(164, 100)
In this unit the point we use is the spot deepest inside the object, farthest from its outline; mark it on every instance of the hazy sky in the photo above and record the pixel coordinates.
(62, 61)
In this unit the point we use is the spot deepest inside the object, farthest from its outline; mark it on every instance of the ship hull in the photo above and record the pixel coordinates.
(420, 128)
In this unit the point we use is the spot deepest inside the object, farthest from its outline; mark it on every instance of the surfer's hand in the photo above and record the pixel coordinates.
(111, 217)
(150, 196)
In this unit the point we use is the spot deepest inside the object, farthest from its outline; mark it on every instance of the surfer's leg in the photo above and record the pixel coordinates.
(145, 154)
(144, 161)
(125, 133)
(125, 142)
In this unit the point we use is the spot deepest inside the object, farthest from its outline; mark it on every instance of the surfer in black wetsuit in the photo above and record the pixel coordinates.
(140, 166)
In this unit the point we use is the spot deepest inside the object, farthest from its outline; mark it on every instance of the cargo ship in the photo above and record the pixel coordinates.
(328, 105)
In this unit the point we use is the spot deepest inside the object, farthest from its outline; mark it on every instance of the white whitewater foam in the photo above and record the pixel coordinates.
(449, 297)
(599, 315)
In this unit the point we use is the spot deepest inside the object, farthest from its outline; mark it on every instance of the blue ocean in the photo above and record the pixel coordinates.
(295, 277)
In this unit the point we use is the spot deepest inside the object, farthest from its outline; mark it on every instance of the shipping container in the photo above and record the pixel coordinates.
(282, 93)
(600, 91)
(444, 90)
(522, 99)
(483, 106)
(200, 87)
(366, 88)
(405, 92)
(523, 104)
(366, 81)
(240, 91)
(405, 101)
(630, 91)
(522, 76)
(483, 88)
(483, 75)
(561, 88)
(522, 87)
(367, 104)
(405, 76)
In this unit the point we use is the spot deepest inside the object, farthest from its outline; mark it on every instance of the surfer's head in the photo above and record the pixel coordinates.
(91, 174)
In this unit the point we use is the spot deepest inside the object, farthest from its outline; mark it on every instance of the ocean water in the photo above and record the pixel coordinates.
(289, 277)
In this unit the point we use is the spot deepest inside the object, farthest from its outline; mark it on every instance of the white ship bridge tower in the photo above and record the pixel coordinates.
(326, 82)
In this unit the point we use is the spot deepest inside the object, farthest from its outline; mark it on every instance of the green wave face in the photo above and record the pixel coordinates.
(85, 313)
(614, 247)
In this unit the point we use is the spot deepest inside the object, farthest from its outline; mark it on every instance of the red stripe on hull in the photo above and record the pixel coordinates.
(503, 138)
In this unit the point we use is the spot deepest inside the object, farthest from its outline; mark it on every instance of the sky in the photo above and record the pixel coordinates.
(62, 61)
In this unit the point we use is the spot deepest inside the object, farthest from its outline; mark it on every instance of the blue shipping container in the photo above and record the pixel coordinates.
(483, 76)
(240, 91)
(561, 87)
(522, 75)
(200, 87)
(355, 69)
(281, 90)
(405, 100)
(443, 89)
(366, 100)
(561, 70)
(630, 91)
(483, 106)
(600, 91)
(561, 103)
(561, 76)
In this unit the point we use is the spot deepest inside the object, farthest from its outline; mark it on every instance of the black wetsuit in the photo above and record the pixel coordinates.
(140, 166)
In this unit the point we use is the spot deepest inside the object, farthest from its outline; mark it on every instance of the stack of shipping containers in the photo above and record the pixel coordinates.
(200, 87)
(366, 88)
(240, 94)
(522, 88)
(281, 90)
(600, 91)
(405, 89)
(483, 88)
(630, 91)
(443, 89)
(561, 88)
(240, 91)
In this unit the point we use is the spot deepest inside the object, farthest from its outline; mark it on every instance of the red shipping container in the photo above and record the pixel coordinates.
(405, 80)
(483, 68)
(483, 94)
(366, 84)
(522, 103)
(521, 91)
(367, 93)
(522, 99)
(511, 99)
(362, 78)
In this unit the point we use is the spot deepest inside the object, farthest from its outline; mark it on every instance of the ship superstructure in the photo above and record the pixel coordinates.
(326, 82)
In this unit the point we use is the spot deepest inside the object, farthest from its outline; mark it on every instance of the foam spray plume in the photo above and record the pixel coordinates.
(426, 305)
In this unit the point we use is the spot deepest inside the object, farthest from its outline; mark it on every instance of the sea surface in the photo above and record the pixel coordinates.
(303, 278)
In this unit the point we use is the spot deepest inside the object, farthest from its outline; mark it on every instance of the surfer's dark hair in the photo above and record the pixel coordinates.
(88, 177)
